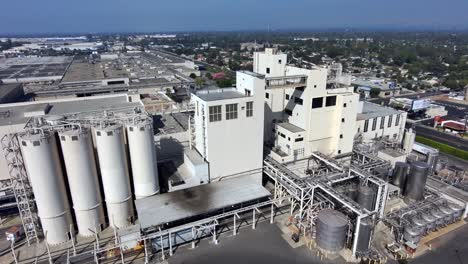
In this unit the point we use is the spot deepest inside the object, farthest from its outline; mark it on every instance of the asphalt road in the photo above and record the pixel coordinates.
(455, 111)
(442, 137)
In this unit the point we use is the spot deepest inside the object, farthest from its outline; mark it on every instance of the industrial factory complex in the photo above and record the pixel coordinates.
(104, 167)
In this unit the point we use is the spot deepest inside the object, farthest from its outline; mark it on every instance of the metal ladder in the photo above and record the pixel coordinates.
(20, 185)
(204, 131)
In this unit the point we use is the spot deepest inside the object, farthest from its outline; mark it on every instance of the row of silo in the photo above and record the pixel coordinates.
(42, 159)
(430, 219)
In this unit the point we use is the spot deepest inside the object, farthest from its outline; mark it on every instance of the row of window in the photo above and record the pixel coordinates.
(382, 123)
(317, 102)
(289, 139)
(231, 110)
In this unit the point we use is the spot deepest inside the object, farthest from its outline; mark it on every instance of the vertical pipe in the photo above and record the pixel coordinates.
(193, 237)
(146, 251)
(169, 236)
(253, 219)
(356, 235)
(272, 213)
(234, 231)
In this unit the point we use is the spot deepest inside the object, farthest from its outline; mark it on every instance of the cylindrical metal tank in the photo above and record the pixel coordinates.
(43, 165)
(412, 234)
(439, 216)
(416, 182)
(430, 220)
(365, 234)
(419, 222)
(366, 197)
(80, 163)
(399, 174)
(352, 192)
(432, 159)
(457, 211)
(143, 158)
(115, 176)
(331, 230)
(448, 213)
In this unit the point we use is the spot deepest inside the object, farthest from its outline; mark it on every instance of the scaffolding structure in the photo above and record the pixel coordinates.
(19, 184)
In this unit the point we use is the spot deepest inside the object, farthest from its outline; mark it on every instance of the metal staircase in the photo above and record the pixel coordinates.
(20, 186)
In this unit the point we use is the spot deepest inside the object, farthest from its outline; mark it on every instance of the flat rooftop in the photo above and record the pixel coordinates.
(290, 127)
(219, 94)
(20, 113)
(169, 207)
(371, 110)
(33, 67)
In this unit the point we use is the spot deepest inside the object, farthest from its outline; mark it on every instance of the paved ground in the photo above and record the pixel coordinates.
(262, 245)
(451, 248)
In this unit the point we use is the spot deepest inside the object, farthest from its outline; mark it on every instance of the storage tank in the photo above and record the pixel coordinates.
(366, 197)
(143, 158)
(365, 234)
(439, 216)
(80, 163)
(114, 172)
(448, 213)
(399, 174)
(416, 182)
(430, 221)
(419, 222)
(432, 159)
(43, 165)
(412, 234)
(332, 227)
(352, 192)
(457, 211)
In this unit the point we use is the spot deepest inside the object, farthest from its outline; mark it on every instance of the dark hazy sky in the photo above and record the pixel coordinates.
(54, 16)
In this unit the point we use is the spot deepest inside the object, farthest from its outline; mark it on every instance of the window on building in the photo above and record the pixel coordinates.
(299, 139)
(300, 88)
(267, 95)
(215, 113)
(390, 121)
(342, 120)
(374, 124)
(282, 135)
(315, 86)
(287, 96)
(249, 110)
(279, 61)
(382, 122)
(344, 105)
(341, 135)
(247, 92)
(358, 129)
(330, 101)
(298, 100)
(366, 126)
(231, 111)
(397, 121)
(197, 108)
(395, 135)
(317, 102)
(268, 70)
(339, 151)
(287, 111)
(289, 139)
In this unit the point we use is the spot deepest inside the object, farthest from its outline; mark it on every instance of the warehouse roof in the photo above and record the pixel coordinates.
(20, 113)
(165, 208)
(219, 94)
(290, 127)
(371, 110)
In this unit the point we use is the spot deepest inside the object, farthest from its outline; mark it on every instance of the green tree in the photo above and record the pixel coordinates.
(199, 82)
(193, 76)
(374, 92)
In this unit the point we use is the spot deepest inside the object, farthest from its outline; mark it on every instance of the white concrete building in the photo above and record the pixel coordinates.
(376, 122)
(229, 128)
(301, 115)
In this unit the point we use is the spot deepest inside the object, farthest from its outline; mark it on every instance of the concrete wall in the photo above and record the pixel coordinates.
(395, 132)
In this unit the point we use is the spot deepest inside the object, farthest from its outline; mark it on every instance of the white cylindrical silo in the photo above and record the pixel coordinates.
(43, 165)
(143, 158)
(115, 176)
(80, 163)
